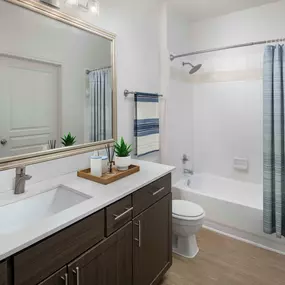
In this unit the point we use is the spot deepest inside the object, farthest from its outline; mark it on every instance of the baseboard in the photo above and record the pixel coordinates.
(256, 240)
(161, 274)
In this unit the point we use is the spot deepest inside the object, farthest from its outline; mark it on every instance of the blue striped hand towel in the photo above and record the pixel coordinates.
(146, 125)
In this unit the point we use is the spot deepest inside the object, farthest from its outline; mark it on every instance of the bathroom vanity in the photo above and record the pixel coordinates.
(125, 242)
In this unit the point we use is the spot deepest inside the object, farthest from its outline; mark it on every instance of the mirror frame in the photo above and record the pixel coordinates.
(42, 156)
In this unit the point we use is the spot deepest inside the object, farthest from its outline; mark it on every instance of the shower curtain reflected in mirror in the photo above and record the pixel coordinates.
(101, 104)
(273, 141)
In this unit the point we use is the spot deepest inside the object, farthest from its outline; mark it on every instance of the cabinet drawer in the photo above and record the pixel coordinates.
(118, 214)
(151, 193)
(38, 262)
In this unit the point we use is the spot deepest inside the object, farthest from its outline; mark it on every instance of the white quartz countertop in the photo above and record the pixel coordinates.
(101, 196)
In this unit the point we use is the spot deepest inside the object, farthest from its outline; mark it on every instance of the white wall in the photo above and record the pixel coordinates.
(137, 25)
(224, 100)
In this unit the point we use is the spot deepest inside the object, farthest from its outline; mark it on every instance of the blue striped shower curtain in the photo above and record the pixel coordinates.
(273, 141)
(100, 86)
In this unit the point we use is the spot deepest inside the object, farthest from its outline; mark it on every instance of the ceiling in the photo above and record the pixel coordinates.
(197, 10)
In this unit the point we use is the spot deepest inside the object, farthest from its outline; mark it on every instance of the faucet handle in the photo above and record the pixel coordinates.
(185, 158)
(21, 170)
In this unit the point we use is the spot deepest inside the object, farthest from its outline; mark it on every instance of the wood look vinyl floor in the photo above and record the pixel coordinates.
(225, 261)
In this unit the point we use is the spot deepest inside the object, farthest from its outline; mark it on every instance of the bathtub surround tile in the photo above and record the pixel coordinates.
(225, 261)
(232, 119)
(227, 89)
(217, 76)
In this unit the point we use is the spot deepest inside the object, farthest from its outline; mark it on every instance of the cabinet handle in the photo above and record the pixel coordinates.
(65, 278)
(77, 274)
(140, 233)
(158, 191)
(118, 217)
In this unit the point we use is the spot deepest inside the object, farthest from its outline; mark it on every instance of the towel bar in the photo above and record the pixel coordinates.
(127, 93)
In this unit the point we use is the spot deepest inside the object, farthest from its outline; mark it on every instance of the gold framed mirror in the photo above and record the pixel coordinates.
(58, 87)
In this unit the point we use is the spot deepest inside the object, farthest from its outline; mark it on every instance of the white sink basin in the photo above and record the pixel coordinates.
(19, 215)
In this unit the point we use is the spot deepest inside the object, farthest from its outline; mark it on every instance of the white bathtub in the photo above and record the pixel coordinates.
(232, 207)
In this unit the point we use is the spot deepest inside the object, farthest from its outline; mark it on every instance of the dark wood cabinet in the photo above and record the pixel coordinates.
(108, 263)
(3, 273)
(128, 242)
(152, 253)
(58, 278)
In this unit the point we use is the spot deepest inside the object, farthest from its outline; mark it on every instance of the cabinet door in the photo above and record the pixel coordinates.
(108, 263)
(3, 273)
(58, 278)
(152, 247)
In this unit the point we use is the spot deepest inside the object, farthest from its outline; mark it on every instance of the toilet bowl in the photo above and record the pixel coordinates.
(187, 220)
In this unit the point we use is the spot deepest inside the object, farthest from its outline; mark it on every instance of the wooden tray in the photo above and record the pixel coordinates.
(108, 178)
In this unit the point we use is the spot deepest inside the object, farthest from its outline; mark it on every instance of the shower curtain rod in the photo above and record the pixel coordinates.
(173, 57)
(88, 71)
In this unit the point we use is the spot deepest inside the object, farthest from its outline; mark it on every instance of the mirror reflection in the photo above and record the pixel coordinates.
(55, 84)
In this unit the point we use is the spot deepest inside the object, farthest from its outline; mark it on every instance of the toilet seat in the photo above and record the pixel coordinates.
(186, 210)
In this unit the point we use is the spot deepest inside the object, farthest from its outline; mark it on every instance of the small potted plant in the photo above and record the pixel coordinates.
(123, 158)
(68, 140)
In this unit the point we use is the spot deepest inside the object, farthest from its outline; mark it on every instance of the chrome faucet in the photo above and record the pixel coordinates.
(20, 181)
(185, 158)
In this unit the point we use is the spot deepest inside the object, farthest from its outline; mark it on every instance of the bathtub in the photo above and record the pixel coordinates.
(233, 208)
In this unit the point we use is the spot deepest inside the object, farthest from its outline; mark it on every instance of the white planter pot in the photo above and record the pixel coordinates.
(123, 163)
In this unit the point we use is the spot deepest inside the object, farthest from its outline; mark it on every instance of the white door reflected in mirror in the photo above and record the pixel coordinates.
(26, 105)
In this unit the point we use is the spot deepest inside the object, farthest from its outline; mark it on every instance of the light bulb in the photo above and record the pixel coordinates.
(94, 6)
(72, 2)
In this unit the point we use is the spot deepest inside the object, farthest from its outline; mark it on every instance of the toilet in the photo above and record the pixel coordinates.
(187, 220)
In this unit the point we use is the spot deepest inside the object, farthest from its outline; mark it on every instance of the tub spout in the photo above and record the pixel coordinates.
(188, 171)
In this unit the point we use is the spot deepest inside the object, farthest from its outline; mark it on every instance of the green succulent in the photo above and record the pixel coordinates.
(68, 140)
(122, 149)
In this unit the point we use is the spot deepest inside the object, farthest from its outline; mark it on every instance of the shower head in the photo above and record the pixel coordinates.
(194, 68)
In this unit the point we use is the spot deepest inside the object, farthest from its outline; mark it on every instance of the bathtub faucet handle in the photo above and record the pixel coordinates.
(185, 158)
